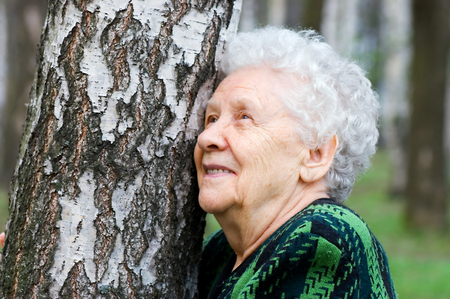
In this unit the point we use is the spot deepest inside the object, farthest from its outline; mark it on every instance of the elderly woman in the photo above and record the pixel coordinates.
(286, 133)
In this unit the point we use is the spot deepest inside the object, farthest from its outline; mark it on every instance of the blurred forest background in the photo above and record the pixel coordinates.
(403, 45)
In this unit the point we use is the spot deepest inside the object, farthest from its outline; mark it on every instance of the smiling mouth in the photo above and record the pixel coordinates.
(213, 171)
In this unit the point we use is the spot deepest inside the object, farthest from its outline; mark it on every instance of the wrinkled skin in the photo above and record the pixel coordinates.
(249, 134)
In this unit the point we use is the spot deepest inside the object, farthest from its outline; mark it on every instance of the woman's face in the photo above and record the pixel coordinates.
(249, 153)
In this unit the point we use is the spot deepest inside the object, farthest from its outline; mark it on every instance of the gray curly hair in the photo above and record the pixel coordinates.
(329, 95)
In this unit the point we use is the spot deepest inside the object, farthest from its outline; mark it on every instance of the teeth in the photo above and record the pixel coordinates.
(211, 171)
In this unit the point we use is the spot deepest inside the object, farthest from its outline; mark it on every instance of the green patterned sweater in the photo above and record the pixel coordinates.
(325, 251)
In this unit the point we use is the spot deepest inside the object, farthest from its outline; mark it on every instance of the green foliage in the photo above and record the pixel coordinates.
(3, 210)
(211, 225)
(419, 260)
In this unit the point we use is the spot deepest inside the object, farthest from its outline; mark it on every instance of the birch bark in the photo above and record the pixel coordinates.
(104, 199)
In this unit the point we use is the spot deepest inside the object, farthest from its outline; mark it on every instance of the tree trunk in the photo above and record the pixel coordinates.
(396, 31)
(3, 43)
(24, 23)
(276, 12)
(104, 198)
(248, 15)
(306, 14)
(312, 14)
(339, 24)
(426, 184)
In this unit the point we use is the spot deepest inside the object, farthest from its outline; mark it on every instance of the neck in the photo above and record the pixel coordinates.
(247, 228)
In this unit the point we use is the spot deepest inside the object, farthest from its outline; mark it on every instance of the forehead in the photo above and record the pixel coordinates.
(247, 87)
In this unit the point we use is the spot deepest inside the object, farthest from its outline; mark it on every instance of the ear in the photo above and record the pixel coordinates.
(316, 164)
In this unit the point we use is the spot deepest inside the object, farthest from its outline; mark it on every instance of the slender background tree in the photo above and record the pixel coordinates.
(104, 198)
(3, 69)
(426, 191)
(394, 92)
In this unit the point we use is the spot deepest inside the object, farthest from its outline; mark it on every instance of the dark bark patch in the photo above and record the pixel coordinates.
(105, 222)
(81, 4)
(89, 23)
(77, 285)
(117, 39)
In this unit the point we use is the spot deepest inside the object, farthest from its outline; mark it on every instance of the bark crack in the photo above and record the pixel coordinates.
(105, 222)
(138, 183)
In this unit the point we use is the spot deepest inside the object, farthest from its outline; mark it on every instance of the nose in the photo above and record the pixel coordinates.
(213, 137)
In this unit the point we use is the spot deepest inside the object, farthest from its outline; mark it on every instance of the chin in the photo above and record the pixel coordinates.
(212, 204)
(208, 207)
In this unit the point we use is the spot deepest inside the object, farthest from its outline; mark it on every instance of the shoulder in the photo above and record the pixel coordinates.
(331, 222)
(325, 248)
(335, 222)
(341, 242)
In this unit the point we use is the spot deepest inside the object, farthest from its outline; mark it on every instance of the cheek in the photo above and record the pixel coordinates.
(259, 151)
(198, 156)
(270, 156)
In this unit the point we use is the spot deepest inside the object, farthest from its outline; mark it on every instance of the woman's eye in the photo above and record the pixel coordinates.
(211, 119)
(245, 117)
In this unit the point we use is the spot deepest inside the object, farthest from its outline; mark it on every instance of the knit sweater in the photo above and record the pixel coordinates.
(324, 251)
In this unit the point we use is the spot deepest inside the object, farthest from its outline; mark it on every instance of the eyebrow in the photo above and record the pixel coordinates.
(210, 104)
(243, 101)
(238, 101)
